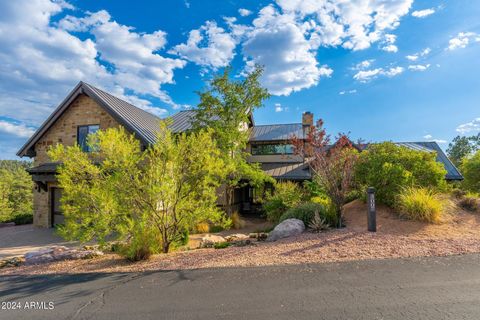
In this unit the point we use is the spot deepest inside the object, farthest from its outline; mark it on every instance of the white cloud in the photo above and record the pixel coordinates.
(415, 56)
(353, 24)
(388, 43)
(209, 46)
(392, 72)
(429, 137)
(349, 92)
(472, 126)
(16, 129)
(368, 75)
(462, 40)
(363, 64)
(244, 12)
(423, 13)
(41, 60)
(278, 107)
(278, 43)
(390, 48)
(137, 65)
(419, 67)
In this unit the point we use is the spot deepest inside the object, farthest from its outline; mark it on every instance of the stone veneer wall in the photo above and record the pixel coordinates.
(83, 111)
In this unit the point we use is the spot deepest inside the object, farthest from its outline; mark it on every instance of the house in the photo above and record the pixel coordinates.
(88, 109)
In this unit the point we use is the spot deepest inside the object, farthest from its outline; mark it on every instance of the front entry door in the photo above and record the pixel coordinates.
(57, 214)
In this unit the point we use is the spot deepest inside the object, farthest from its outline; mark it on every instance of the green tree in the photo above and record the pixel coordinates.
(285, 196)
(226, 107)
(471, 172)
(148, 199)
(332, 165)
(16, 191)
(462, 147)
(390, 168)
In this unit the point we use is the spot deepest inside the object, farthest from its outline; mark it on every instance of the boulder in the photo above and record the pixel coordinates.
(58, 253)
(286, 228)
(209, 240)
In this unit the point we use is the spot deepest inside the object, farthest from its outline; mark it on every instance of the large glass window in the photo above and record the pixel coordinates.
(271, 149)
(82, 134)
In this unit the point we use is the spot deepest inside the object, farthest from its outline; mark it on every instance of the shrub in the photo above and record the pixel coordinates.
(202, 227)
(237, 221)
(469, 202)
(221, 245)
(353, 195)
(286, 195)
(420, 204)
(306, 212)
(216, 228)
(471, 172)
(390, 168)
(459, 193)
(23, 218)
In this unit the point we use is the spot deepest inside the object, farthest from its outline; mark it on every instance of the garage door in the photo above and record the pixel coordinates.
(57, 214)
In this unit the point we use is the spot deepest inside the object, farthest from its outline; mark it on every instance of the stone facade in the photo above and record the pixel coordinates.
(83, 111)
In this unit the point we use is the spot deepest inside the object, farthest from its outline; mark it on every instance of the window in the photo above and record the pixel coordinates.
(82, 135)
(271, 149)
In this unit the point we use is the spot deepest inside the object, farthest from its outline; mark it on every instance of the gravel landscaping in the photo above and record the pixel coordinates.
(395, 238)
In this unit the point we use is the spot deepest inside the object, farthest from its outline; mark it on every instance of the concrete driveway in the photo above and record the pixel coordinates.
(17, 240)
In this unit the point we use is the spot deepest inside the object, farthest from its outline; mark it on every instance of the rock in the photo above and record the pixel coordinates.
(287, 228)
(236, 237)
(12, 262)
(260, 236)
(58, 253)
(209, 240)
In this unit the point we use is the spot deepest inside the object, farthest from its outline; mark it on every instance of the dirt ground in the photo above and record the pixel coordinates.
(394, 238)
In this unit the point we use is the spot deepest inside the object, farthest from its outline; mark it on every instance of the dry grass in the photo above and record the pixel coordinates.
(237, 221)
(421, 204)
(395, 238)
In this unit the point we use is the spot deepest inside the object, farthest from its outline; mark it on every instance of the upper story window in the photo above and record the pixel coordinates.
(271, 149)
(82, 134)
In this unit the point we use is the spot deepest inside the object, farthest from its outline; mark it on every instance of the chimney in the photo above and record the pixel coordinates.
(307, 118)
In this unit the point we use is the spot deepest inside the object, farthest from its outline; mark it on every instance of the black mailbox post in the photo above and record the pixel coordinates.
(372, 215)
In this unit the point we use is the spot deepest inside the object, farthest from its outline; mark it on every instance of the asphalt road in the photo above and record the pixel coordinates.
(426, 288)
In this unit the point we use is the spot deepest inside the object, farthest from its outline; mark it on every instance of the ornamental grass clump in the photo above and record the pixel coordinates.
(421, 204)
(470, 202)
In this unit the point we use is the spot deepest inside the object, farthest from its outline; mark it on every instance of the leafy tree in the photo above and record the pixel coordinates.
(471, 172)
(462, 147)
(149, 199)
(332, 165)
(285, 196)
(390, 168)
(16, 191)
(226, 107)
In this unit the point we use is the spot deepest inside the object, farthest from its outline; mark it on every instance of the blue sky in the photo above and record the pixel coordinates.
(399, 70)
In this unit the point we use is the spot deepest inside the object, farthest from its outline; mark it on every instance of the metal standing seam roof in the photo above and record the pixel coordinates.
(182, 121)
(452, 172)
(287, 171)
(277, 132)
(141, 122)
